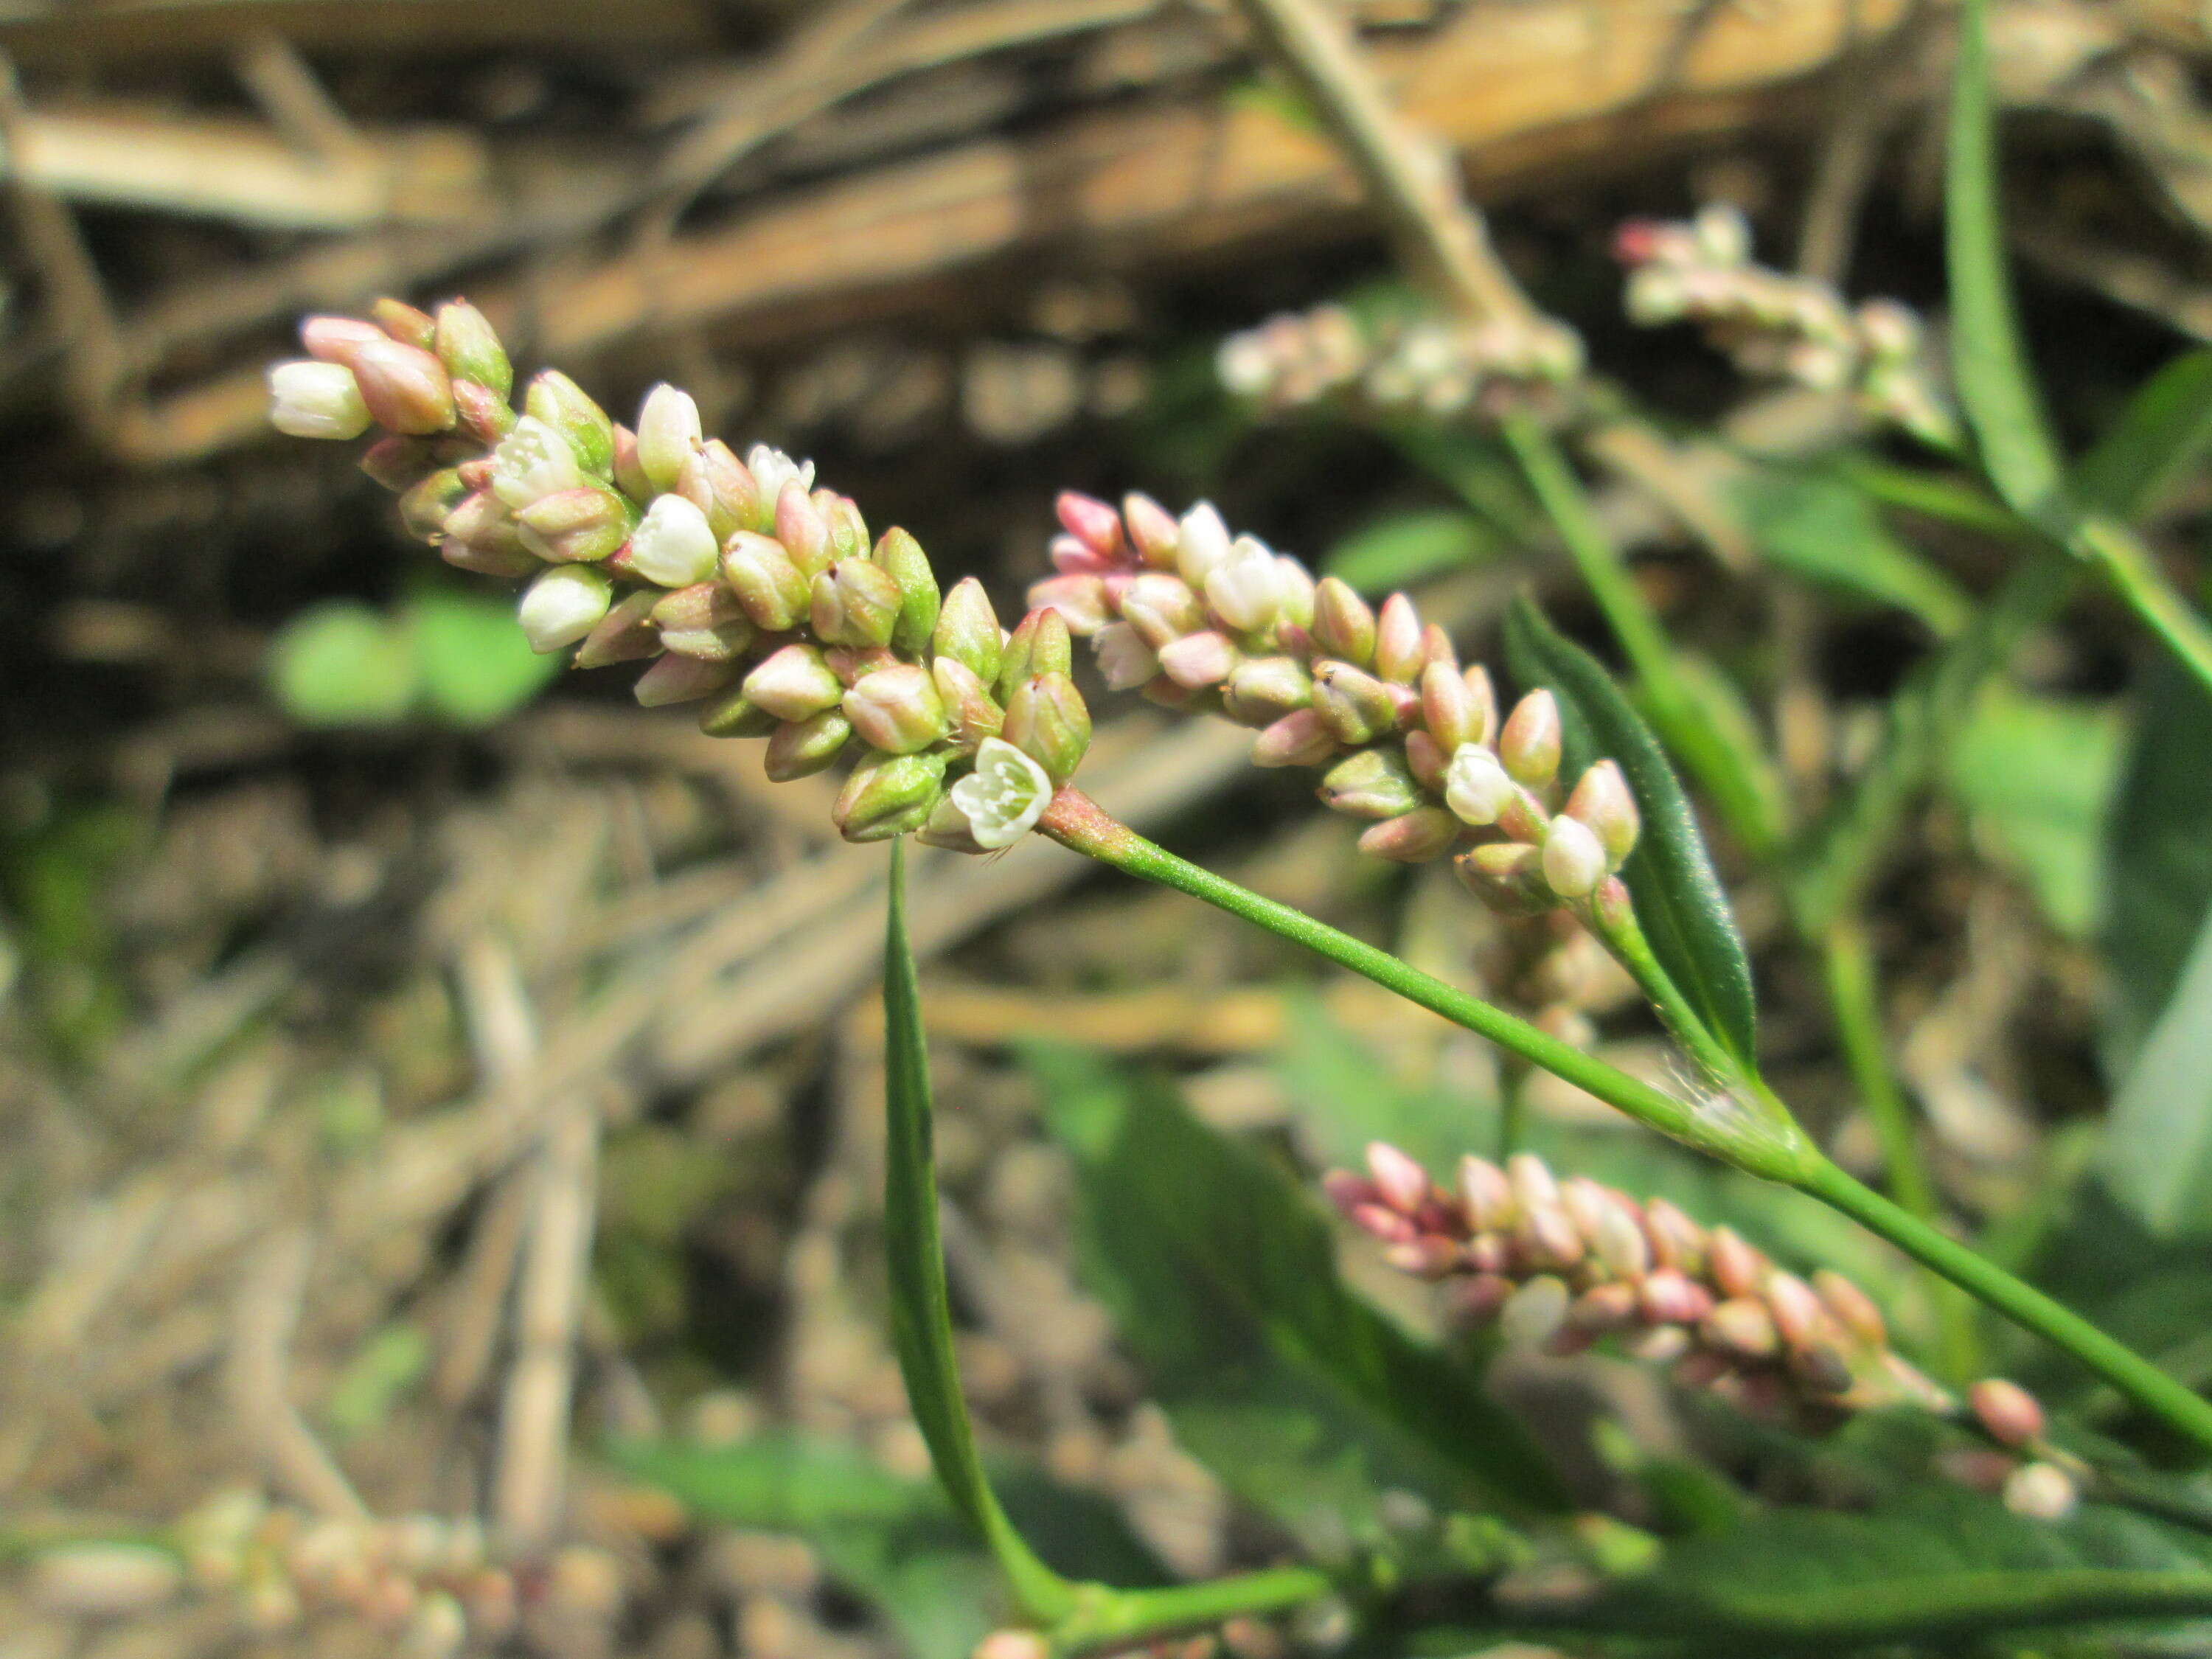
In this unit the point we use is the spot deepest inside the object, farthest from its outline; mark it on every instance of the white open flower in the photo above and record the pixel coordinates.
(564, 605)
(1201, 543)
(673, 545)
(533, 462)
(1004, 797)
(1476, 786)
(772, 469)
(1246, 588)
(311, 399)
(1123, 657)
(667, 433)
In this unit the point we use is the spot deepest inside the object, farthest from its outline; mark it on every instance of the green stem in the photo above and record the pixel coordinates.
(2127, 1371)
(1623, 935)
(2120, 556)
(1749, 1139)
(1122, 1618)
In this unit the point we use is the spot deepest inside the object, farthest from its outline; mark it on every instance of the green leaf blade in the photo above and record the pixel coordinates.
(1679, 897)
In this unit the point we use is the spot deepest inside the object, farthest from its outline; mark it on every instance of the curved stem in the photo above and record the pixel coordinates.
(1747, 1139)
(1120, 1618)
(2131, 569)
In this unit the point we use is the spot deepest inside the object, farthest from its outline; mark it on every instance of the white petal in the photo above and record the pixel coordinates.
(531, 461)
(1004, 797)
(673, 545)
(1476, 786)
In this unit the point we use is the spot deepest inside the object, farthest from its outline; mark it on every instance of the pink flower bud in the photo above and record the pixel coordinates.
(1162, 608)
(1299, 738)
(469, 346)
(734, 498)
(1091, 522)
(1400, 654)
(799, 748)
(1198, 661)
(1343, 625)
(1668, 1296)
(1529, 744)
(1404, 1185)
(1676, 1241)
(1430, 763)
(1603, 801)
(1852, 1308)
(974, 713)
(1048, 721)
(896, 710)
(1736, 1268)
(1618, 1241)
(968, 630)
(403, 322)
(1603, 1308)
(1348, 1191)
(1507, 877)
(406, 388)
(1450, 710)
(564, 605)
(1799, 1318)
(1123, 657)
(624, 634)
(1414, 837)
(888, 795)
(1476, 786)
(854, 603)
(574, 526)
(1574, 859)
(1201, 543)
(561, 404)
(2008, 1414)
(1486, 1195)
(1151, 531)
(1355, 707)
(398, 463)
(311, 399)
(1080, 600)
(1371, 784)
(1741, 1326)
(335, 339)
(794, 682)
(673, 679)
(704, 621)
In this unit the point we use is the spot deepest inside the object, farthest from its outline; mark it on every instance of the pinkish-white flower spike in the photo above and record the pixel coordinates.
(564, 605)
(316, 400)
(672, 545)
(1004, 797)
(668, 435)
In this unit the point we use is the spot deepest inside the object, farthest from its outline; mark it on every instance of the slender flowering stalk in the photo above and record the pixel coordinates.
(740, 585)
(1409, 741)
(1563, 1265)
(1424, 363)
(1769, 323)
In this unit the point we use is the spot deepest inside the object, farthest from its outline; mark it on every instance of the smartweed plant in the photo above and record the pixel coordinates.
(759, 593)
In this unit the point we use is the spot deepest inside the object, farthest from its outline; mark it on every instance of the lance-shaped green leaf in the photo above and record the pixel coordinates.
(2163, 433)
(922, 1307)
(1678, 898)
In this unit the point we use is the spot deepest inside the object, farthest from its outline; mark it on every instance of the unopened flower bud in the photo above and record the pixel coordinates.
(1048, 721)
(1508, 877)
(973, 712)
(1267, 688)
(1676, 1240)
(1529, 745)
(734, 715)
(2041, 1492)
(1301, 738)
(1799, 1318)
(1618, 1241)
(968, 630)
(1294, 594)
(1852, 1308)
(1245, 588)
(335, 339)
(1741, 1326)
(1162, 608)
(575, 526)
(848, 529)
(1603, 1308)
(803, 528)
(480, 414)
(772, 469)
(704, 621)
(397, 463)
(1355, 706)
(406, 388)
(888, 795)
(1736, 1267)
(1535, 1312)
(734, 501)
(1198, 661)
(1670, 1297)
(1486, 1195)
(1414, 837)
(469, 346)
(1001, 801)
(495, 558)
(1574, 857)
(2008, 1414)
(403, 323)
(798, 749)
(564, 605)
(1123, 657)
(1402, 1183)
(668, 435)
(533, 460)
(674, 679)
(1344, 624)
(425, 505)
(1476, 786)
(1040, 644)
(896, 710)
(1603, 800)
(855, 603)
(1091, 522)
(1080, 601)
(794, 682)
(770, 587)
(1374, 783)
(1202, 542)
(900, 555)
(312, 399)
(1401, 652)
(1152, 530)
(1453, 711)
(624, 634)
(561, 404)
(673, 545)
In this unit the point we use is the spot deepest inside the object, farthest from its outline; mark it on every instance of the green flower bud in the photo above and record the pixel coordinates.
(558, 401)
(733, 495)
(772, 589)
(1375, 783)
(469, 346)
(967, 631)
(1267, 688)
(1047, 719)
(798, 749)
(576, 526)
(704, 621)
(1401, 652)
(624, 634)
(854, 603)
(425, 506)
(888, 795)
(969, 705)
(848, 531)
(1355, 707)
(403, 323)
(734, 715)
(406, 388)
(802, 529)
(794, 682)
(1039, 645)
(1343, 623)
(900, 555)
(897, 709)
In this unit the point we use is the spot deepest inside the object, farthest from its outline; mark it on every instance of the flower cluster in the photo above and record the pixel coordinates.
(1429, 364)
(429, 1582)
(744, 584)
(1795, 328)
(1412, 741)
(1562, 1264)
